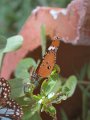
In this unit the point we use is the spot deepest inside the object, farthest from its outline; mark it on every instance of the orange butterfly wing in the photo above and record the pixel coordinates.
(47, 64)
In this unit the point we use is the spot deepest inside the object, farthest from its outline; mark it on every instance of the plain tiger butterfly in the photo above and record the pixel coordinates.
(4, 89)
(48, 61)
(9, 109)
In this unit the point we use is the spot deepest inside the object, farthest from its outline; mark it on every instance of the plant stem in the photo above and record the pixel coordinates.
(1, 60)
(84, 106)
(84, 82)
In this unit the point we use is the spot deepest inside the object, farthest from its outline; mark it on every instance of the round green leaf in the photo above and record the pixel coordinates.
(17, 87)
(69, 87)
(23, 67)
(13, 43)
(52, 85)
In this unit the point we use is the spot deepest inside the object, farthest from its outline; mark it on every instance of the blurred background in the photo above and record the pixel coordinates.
(13, 13)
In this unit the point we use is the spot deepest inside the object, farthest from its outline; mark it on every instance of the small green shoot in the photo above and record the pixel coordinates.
(43, 39)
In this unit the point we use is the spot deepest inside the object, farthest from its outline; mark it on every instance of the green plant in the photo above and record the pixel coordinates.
(53, 89)
(8, 45)
(84, 86)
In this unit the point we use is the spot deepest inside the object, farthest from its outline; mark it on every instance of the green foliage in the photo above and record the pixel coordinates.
(82, 73)
(23, 67)
(84, 86)
(61, 3)
(17, 87)
(13, 43)
(88, 115)
(13, 13)
(88, 71)
(9, 45)
(70, 86)
(3, 42)
(51, 86)
(51, 110)
(43, 39)
(63, 115)
(31, 115)
(52, 90)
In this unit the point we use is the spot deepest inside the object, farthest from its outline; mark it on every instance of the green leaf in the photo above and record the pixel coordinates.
(63, 115)
(56, 69)
(17, 87)
(36, 116)
(23, 67)
(8, 45)
(82, 87)
(70, 85)
(66, 90)
(31, 113)
(88, 115)
(25, 101)
(82, 74)
(3, 42)
(51, 110)
(84, 105)
(37, 97)
(88, 71)
(52, 85)
(87, 91)
(43, 39)
(13, 43)
(1, 59)
(28, 116)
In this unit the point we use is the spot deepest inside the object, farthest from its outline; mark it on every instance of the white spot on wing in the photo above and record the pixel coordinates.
(51, 48)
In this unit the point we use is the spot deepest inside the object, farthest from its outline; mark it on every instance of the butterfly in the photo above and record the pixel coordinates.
(4, 88)
(9, 109)
(48, 61)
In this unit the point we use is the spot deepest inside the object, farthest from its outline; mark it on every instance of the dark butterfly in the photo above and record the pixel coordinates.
(46, 65)
(9, 109)
(4, 89)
